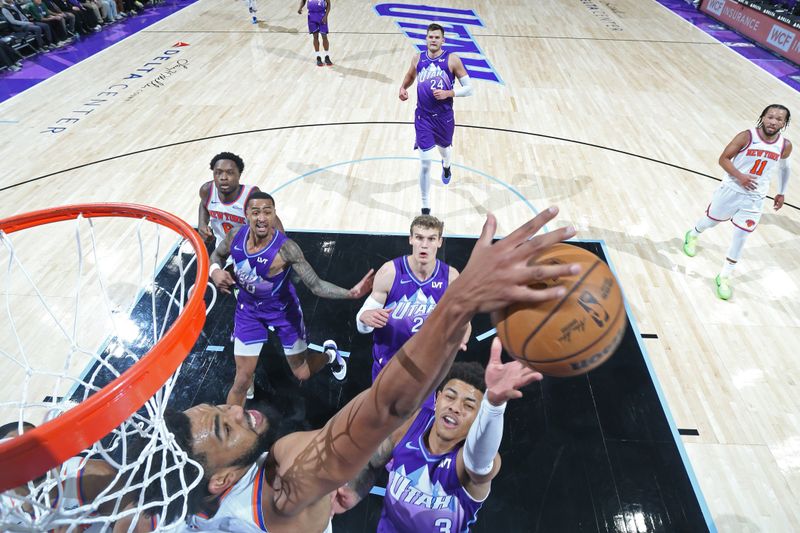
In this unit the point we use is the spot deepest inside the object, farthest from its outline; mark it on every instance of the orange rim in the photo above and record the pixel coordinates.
(33, 453)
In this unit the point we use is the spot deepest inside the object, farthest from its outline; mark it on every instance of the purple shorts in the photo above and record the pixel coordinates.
(430, 401)
(315, 22)
(250, 323)
(433, 130)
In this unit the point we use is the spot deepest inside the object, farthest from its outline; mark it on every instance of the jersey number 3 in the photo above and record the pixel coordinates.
(444, 525)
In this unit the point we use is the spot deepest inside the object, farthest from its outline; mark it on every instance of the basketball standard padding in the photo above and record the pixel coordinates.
(574, 334)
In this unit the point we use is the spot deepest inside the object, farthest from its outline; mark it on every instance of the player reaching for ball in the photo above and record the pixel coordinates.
(442, 462)
(290, 488)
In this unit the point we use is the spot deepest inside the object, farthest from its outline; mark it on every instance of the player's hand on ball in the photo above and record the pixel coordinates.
(375, 318)
(499, 274)
(223, 280)
(504, 380)
(403, 94)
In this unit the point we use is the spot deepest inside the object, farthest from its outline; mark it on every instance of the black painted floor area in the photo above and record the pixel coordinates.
(588, 454)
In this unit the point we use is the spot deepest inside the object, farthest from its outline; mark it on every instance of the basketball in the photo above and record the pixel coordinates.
(572, 335)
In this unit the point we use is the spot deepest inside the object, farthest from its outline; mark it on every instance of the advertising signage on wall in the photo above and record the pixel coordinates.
(783, 39)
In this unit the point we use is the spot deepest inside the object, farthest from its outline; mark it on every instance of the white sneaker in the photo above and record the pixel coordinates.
(339, 363)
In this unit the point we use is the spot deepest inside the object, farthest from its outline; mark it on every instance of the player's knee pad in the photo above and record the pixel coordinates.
(427, 155)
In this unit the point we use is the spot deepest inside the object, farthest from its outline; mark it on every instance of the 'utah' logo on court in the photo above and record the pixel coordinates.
(457, 36)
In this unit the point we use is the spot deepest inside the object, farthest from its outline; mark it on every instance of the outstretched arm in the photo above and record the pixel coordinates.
(478, 461)
(372, 314)
(313, 464)
(293, 255)
(453, 275)
(348, 495)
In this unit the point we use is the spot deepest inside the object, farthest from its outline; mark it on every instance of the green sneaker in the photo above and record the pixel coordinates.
(724, 290)
(690, 244)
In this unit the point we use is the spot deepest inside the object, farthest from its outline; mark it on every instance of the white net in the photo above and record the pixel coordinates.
(83, 301)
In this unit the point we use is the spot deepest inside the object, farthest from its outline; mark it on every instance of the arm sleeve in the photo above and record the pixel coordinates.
(369, 304)
(483, 439)
(783, 175)
(465, 89)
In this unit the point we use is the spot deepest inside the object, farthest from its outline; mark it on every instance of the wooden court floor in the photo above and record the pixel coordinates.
(614, 110)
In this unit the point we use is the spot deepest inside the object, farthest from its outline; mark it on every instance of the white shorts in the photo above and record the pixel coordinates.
(254, 349)
(743, 210)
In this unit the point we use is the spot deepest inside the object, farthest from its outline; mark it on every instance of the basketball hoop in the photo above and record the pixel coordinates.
(78, 427)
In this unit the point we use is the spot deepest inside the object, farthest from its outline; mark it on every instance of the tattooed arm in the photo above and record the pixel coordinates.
(350, 494)
(293, 255)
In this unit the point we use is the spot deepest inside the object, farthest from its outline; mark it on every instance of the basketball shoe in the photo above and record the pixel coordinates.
(328, 62)
(724, 290)
(337, 363)
(690, 244)
(446, 175)
(319, 62)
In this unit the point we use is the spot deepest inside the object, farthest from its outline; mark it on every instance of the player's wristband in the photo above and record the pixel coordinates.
(212, 268)
(369, 304)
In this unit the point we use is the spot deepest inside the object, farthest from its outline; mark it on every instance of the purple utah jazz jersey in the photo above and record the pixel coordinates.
(252, 273)
(424, 492)
(410, 301)
(316, 6)
(434, 74)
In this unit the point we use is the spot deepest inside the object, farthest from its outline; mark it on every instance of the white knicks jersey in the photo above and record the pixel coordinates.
(225, 217)
(759, 159)
(240, 507)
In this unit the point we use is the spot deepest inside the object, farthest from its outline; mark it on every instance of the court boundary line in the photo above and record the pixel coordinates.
(687, 465)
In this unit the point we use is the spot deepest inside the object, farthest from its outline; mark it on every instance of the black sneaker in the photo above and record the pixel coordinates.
(426, 210)
(328, 61)
(319, 62)
(339, 364)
